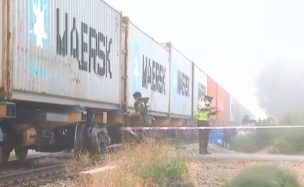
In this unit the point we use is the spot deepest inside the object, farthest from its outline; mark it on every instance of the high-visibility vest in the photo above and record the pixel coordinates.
(202, 116)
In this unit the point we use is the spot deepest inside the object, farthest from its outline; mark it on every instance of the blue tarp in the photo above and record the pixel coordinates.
(217, 137)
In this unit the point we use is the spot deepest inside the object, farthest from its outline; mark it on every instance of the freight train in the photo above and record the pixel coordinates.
(68, 71)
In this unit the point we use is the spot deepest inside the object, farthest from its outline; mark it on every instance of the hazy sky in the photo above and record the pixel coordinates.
(232, 40)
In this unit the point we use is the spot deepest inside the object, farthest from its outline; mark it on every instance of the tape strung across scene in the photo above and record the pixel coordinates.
(212, 128)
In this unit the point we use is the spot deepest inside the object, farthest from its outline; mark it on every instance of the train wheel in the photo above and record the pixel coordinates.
(21, 152)
(5, 147)
(115, 134)
(1, 144)
(5, 154)
(80, 138)
(99, 139)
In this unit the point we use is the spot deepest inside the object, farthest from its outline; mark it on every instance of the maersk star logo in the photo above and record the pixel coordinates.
(39, 22)
(136, 68)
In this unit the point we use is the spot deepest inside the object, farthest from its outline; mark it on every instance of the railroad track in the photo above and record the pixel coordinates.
(28, 175)
(35, 168)
(15, 172)
(14, 163)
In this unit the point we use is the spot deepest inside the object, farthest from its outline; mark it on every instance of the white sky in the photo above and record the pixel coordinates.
(232, 40)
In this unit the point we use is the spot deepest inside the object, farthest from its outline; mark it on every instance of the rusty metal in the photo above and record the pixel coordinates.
(221, 101)
(76, 117)
(7, 110)
(125, 54)
(212, 92)
(6, 36)
(223, 105)
(29, 136)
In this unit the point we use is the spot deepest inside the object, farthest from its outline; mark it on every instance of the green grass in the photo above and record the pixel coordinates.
(165, 168)
(293, 118)
(254, 141)
(264, 176)
(283, 141)
(290, 141)
(245, 143)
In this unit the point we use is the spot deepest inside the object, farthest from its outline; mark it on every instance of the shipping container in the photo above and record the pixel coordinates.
(223, 105)
(221, 101)
(199, 87)
(148, 69)
(235, 111)
(238, 111)
(212, 90)
(63, 52)
(180, 84)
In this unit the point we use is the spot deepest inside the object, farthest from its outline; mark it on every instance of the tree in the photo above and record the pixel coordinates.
(281, 88)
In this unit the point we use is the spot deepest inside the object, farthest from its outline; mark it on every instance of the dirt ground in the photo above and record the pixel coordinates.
(214, 172)
(210, 173)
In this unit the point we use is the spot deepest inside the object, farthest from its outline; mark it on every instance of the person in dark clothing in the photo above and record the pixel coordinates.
(138, 117)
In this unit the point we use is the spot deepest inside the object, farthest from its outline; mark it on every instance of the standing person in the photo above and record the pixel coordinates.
(203, 114)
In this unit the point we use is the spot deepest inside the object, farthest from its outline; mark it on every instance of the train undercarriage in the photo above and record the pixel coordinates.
(53, 128)
(38, 127)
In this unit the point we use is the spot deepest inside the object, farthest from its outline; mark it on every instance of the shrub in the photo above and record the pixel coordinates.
(245, 143)
(284, 141)
(294, 118)
(256, 140)
(165, 168)
(290, 141)
(264, 176)
(149, 163)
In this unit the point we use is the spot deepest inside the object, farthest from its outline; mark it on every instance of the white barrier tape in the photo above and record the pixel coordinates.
(211, 128)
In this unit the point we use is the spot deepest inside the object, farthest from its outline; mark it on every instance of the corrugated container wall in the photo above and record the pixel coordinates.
(223, 105)
(221, 101)
(212, 91)
(148, 70)
(233, 110)
(66, 52)
(180, 84)
(199, 87)
(238, 111)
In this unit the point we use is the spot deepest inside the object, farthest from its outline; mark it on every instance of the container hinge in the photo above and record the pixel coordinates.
(124, 77)
(124, 51)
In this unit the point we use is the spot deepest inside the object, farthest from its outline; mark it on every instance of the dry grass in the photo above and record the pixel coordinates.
(131, 166)
(79, 163)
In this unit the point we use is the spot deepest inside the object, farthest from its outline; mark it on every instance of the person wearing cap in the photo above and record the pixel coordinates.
(138, 117)
(204, 111)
